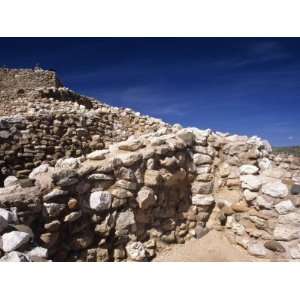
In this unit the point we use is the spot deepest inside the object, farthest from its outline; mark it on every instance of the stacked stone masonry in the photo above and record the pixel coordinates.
(137, 187)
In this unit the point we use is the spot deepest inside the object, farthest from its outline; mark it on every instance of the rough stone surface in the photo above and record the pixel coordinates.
(100, 200)
(14, 240)
(275, 189)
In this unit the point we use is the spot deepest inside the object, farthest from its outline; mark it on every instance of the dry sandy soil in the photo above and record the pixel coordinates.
(212, 247)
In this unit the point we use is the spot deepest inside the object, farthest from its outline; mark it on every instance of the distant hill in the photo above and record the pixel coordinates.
(295, 150)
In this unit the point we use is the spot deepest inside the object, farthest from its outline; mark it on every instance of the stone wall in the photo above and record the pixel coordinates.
(132, 200)
(52, 123)
(19, 81)
(84, 181)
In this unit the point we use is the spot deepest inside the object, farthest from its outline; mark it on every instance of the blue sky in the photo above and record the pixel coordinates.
(240, 85)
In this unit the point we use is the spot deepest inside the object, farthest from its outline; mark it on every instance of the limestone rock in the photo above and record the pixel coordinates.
(257, 249)
(284, 207)
(249, 196)
(146, 198)
(286, 232)
(199, 187)
(15, 256)
(275, 189)
(54, 209)
(136, 251)
(248, 170)
(10, 181)
(294, 251)
(264, 202)
(39, 252)
(125, 184)
(152, 178)
(124, 220)
(38, 170)
(97, 155)
(187, 136)
(72, 217)
(100, 200)
(7, 215)
(121, 193)
(131, 145)
(264, 164)
(203, 199)
(14, 240)
(251, 182)
(201, 159)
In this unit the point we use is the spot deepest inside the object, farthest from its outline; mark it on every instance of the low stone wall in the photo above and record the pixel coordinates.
(130, 201)
(68, 125)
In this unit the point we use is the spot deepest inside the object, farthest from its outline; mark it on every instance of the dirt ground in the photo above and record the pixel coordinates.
(213, 247)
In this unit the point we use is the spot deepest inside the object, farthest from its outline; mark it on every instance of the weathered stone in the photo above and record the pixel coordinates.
(152, 178)
(54, 194)
(264, 164)
(102, 255)
(136, 251)
(275, 189)
(274, 246)
(201, 159)
(249, 196)
(203, 199)
(290, 218)
(15, 256)
(125, 184)
(100, 176)
(97, 155)
(121, 193)
(54, 209)
(251, 182)
(286, 232)
(38, 252)
(146, 198)
(130, 159)
(294, 251)
(7, 215)
(100, 200)
(10, 181)
(199, 187)
(248, 170)
(72, 217)
(14, 240)
(131, 145)
(70, 163)
(224, 169)
(240, 206)
(38, 170)
(264, 202)
(65, 177)
(187, 136)
(284, 207)
(257, 249)
(124, 220)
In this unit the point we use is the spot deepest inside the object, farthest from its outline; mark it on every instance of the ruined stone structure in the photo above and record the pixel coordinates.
(51, 122)
(138, 186)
